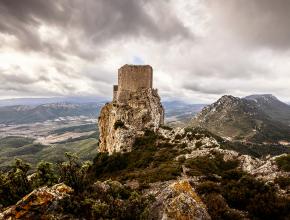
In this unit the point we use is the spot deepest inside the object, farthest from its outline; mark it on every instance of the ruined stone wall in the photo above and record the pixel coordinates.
(115, 91)
(134, 77)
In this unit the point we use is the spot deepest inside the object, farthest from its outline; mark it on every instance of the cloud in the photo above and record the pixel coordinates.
(77, 26)
(199, 50)
(259, 23)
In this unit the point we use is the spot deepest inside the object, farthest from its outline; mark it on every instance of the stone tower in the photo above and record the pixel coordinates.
(130, 79)
(135, 107)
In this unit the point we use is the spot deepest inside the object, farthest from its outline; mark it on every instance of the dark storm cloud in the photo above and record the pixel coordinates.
(20, 18)
(89, 21)
(259, 22)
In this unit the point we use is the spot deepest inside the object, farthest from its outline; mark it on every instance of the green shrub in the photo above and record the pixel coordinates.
(205, 165)
(218, 208)
(283, 163)
(115, 201)
(256, 197)
(45, 175)
(208, 187)
(283, 182)
(73, 173)
(14, 184)
(119, 124)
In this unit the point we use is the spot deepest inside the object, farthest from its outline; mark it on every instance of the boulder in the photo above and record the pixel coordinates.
(37, 204)
(177, 201)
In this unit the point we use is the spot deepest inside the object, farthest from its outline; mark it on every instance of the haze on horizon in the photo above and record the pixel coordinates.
(199, 49)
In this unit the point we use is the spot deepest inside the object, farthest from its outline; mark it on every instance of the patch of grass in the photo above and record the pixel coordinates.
(78, 128)
(283, 163)
(14, 142)
(34, 153)
(204, 165)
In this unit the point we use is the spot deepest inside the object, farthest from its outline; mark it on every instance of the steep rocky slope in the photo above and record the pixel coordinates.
(273, 107)
(120, 122)
(241, 119)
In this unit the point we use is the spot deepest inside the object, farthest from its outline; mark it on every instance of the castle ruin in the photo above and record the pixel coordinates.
(135, 107)
(130, 79)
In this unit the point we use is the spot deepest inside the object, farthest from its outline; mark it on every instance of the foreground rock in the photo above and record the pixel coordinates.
(177, 201)
(38, 204)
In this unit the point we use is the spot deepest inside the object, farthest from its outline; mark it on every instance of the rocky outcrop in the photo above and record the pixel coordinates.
(38, 204)
(200, 144)
(177, 200)
(121, 121)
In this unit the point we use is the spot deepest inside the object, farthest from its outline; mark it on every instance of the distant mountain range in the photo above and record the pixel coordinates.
(259, 118)
(41, 101)
(31, 110)
(23, 114)
(178, 112)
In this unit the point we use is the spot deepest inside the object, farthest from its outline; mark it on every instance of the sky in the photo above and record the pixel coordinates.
(199, 49)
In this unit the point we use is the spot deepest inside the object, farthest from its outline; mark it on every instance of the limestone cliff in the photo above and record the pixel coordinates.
(122, 120)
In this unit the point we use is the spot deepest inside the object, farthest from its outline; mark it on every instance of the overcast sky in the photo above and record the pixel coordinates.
(199, 49)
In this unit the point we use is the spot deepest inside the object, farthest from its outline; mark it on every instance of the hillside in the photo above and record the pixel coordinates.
(273, 107)
(180, 173)
(241, 119)
(26, 149)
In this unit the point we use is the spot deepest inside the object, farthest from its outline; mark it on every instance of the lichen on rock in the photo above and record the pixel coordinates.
(178, 201)
(35, 204)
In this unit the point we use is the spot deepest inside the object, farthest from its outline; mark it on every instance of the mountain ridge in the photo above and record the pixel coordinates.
(241, 119)
(272, 106)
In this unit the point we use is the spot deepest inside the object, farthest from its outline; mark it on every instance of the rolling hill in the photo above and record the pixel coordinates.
(26, 149)
(23, 114)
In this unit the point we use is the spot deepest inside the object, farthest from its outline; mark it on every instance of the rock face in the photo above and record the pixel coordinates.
(133, 109)
(177, 201)
(37, 204)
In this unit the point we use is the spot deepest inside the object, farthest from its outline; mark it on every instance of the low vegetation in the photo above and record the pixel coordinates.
(24, 148)
(150, 161)
(228, 192)
(283, 162)
(236, 190)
